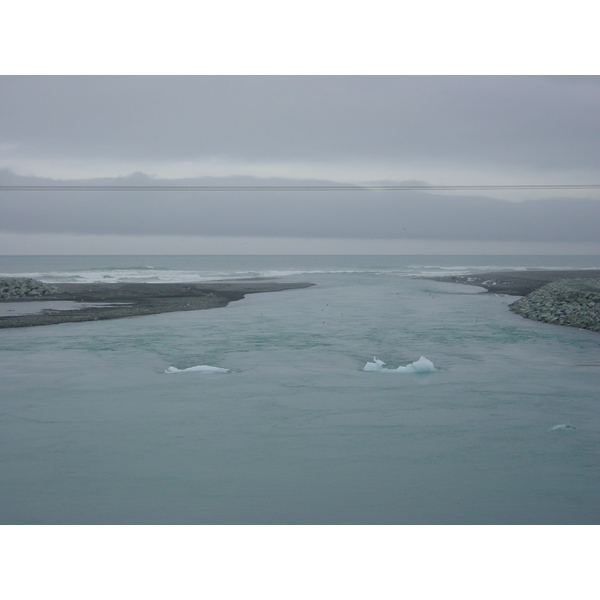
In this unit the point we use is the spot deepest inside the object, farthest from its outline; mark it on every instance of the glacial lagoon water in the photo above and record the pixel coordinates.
(110, 422)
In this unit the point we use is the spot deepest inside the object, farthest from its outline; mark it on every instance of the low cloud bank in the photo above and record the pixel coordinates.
(405, 215)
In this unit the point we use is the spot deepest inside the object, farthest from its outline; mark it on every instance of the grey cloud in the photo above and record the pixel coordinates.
(516, 127)
(539, 122)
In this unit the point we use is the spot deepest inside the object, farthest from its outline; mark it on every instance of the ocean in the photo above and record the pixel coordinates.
(108, 422)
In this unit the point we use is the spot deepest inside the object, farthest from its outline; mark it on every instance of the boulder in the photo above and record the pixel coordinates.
(23, 287)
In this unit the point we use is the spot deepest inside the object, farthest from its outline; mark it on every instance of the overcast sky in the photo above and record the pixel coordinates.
(443, 130)
(449, 130)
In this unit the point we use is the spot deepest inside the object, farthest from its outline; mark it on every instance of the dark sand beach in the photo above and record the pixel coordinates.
(517, 283)
(118, 300)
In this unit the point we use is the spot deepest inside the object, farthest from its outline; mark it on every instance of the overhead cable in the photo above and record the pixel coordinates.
(285, 188)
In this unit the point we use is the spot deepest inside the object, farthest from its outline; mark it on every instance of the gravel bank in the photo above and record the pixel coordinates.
(517, 283)
(570, 302)
(135, 299)
(570, 298)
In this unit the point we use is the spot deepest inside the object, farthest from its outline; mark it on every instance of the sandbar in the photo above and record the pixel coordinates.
(517, 283)
(119, 300)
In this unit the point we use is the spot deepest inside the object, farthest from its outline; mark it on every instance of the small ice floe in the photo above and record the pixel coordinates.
(197, 369)
(562, 426)
(423, 365)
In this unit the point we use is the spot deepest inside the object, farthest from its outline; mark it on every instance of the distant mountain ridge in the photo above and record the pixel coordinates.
(336, 214)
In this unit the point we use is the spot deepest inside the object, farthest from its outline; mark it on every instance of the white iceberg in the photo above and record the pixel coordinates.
(198, 369)
(423, 365)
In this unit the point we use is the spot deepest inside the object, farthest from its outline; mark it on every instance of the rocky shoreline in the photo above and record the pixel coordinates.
(23, 287)
(118, 300)
(569, 298)
(570, 302)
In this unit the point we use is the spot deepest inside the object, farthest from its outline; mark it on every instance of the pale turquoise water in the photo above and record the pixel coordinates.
(93, 431)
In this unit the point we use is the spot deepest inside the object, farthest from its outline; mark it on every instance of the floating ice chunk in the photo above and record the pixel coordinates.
(198, 369)
(423, 365)
(375, 366)
(562, 426)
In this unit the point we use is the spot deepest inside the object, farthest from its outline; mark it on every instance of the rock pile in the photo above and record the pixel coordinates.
(570, 302)
(23, 287)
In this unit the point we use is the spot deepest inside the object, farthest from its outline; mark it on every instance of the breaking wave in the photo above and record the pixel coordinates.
(182, 269)
(423, 365)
